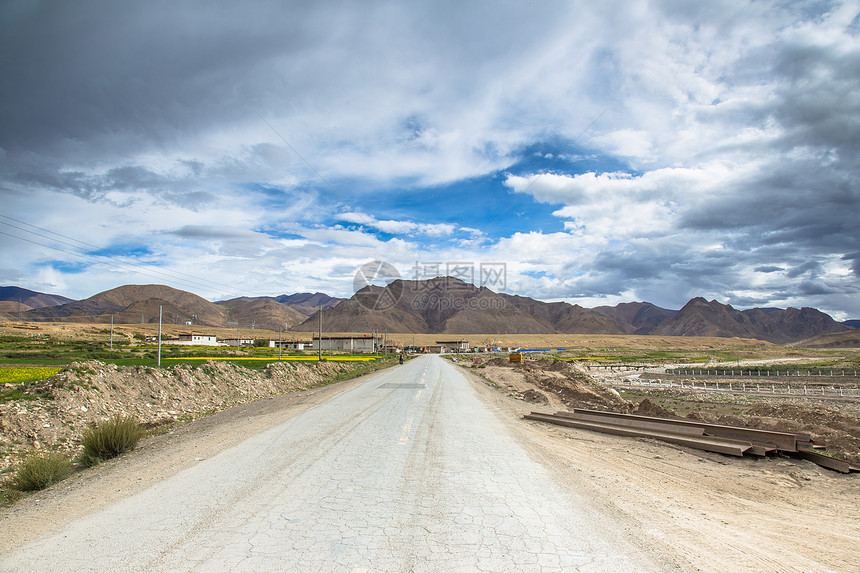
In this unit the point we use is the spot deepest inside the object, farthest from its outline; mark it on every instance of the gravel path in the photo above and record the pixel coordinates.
(407, 471)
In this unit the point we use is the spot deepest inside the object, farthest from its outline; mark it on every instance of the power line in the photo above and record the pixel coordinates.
(166, 272)
(98, 260)
(329, 185)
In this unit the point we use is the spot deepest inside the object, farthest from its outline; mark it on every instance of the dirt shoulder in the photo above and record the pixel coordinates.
(59, 409)
(153, 461)
(694, 510)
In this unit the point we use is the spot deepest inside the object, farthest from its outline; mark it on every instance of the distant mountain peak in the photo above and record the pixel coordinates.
(443, 305)
(30, 298)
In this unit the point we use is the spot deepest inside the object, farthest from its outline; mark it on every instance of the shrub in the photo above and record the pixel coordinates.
(110, 439)
(41, 470)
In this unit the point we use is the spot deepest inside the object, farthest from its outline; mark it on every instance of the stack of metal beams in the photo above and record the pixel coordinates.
(731, 440)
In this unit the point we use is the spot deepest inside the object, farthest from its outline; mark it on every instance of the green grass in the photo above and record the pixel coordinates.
(110, 439)
(41, 470)
(20, 395)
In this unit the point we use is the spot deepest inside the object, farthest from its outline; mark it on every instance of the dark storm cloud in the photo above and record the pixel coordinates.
(818, 100)
(123, 75)
(812, 268)
(200, 232)
(732, 130)
(855, 262)
(811, 288)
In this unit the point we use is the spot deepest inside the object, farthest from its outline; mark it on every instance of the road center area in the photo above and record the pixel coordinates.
(407, 471)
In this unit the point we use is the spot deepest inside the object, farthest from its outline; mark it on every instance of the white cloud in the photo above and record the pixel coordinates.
(730, 125)
(628, 143)
(403, 227)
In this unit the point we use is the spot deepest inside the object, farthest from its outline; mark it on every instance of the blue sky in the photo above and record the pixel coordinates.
(623, 152)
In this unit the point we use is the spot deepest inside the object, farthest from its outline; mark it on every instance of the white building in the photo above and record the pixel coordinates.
(452, 346)
(233, 342)
(191, 339)
(291, 344)
(344, 343)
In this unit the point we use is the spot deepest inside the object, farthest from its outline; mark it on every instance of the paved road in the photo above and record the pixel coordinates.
(407, 472)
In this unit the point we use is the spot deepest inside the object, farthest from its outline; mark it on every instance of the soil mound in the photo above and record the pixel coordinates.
(567, 386)
(92, 391)
(648, 408)
(533, 397)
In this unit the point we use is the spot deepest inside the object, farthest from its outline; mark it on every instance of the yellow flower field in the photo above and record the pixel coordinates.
(283, 358)
(19, 374)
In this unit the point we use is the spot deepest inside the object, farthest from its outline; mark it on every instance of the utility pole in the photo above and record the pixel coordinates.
(159, 336)
(111, 332)
(319, 358)
(237, 336)
(279, 344)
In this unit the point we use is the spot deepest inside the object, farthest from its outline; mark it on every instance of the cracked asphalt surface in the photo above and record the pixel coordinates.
(409, 471)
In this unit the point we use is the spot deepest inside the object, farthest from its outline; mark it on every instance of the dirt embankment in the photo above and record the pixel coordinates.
(692, 510)
(558, 385)
(87, 392)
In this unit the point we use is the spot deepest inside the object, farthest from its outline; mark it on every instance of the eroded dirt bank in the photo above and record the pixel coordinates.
(557, 385)
(692, 510)
(87, 392)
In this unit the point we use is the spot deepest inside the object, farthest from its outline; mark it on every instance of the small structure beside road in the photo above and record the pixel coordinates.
(446, 346)
(345, 343)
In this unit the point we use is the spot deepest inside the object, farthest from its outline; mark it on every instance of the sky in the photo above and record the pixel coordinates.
(593, 153)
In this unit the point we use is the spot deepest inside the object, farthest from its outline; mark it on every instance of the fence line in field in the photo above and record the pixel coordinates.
(758, 373)
(748, 387)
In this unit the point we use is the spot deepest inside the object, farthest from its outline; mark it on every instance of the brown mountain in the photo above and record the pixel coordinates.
(702, 318)
(450, 306)
(307, 303)
(636, 317)
(136, 303)
(443, 306)
(262, 312)
(12, 310)
(847, 339)
(31, 298)
(795, 323)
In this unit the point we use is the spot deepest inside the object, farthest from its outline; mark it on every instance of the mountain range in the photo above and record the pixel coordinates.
(444, 306)
(140, 304)
(450, 306)
(15, 300)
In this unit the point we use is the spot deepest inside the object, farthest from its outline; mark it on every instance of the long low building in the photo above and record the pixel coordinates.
(452, 346)
(364, 344)
(291, 344)
(237, 342)
(190, 339)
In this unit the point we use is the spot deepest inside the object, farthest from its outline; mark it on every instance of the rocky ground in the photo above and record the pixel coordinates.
(557, 385)
(88, 392)
(694, 510)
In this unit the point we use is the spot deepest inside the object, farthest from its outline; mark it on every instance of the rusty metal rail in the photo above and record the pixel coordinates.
(730, 440)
